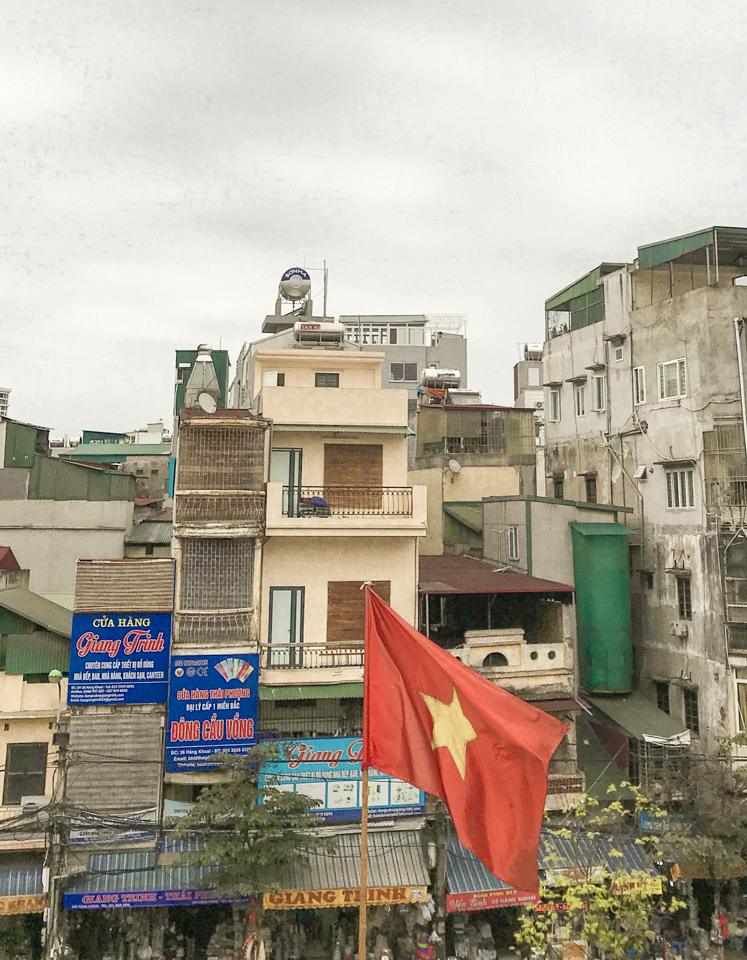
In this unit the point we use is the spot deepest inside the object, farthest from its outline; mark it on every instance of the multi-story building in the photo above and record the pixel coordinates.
(645, 407)
(529, 394)
(4, 401)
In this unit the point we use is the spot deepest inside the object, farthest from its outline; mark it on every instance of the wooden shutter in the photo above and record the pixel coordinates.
(353, 464)
(346, 609)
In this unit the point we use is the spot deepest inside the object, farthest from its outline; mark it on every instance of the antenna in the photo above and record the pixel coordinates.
(325, 288)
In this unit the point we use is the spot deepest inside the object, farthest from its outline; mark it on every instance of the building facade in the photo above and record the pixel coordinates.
(529, 394)
(644, 405)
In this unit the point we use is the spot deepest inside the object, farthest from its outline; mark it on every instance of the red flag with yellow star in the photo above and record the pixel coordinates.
(433, 722)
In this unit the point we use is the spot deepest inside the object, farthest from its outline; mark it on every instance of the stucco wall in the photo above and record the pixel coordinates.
(312, 459)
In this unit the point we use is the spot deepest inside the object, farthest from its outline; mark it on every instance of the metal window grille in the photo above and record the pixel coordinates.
(725, 466)
(311, 718)
(326, 379)
(692, 713)
(216, 574)
(220, 457)
(680, 489)
(684, 598)
(208, 627)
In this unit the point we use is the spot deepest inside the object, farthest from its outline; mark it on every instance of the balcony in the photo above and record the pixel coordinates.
(207, 628)
(216, 513)
(332, 511)
(310, 663)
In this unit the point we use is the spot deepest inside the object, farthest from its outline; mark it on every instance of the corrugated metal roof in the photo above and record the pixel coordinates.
(338, 428)
(466, 874)
(37, 652)
(149, 531)
(600, 529)
(585, 284)
(39, 610)
(136, 871)
(395, 859)
(731, 243)
(22, 881)
(311, 692)
(105, 451)
(443, 575)
(638, 716)
(132, 586)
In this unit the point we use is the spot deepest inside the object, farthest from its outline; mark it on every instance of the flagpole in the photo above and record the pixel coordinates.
(363, 895)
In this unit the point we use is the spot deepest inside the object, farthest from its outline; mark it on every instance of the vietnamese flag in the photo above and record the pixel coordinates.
(433, 722)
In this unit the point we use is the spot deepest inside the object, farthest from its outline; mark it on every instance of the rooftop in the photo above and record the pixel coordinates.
(51, 616)
(461, 574)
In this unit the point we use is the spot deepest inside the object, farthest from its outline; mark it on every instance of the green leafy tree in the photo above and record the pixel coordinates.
(250, 835)
(608, 905)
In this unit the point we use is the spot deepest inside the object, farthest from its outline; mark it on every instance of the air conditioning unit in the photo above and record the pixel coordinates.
(32, 804)
(678, 629)
(539, 405)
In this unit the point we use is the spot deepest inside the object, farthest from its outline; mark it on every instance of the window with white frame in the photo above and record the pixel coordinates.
(513, 543)
(639, 385)
(554, 411)
(619, 354)
(740, 675)
(599, 392)
(672, 379)
(580, 397)
(680, 489)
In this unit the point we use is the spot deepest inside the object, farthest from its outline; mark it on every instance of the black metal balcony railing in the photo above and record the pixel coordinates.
(347, 501)
(289, 656)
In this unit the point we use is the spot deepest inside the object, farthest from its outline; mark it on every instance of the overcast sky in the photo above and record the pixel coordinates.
(164, 162)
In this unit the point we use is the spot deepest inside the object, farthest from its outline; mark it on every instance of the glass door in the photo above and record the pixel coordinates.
(285, 468)
(286, 626)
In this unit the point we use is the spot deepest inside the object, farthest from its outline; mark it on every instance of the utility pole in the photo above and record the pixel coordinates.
(54, 948)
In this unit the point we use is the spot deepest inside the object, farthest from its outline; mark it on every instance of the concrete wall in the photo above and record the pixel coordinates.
(48, 537)
(312, 458)
(357, 370)
(354, 406)
(450, 353)
(311, 562)
(472, 483)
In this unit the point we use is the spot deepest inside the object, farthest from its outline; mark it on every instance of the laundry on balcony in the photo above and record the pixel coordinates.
(313, 507)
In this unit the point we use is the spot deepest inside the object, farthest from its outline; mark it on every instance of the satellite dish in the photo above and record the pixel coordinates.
(207, 402)
(455, 466)
(295, 283)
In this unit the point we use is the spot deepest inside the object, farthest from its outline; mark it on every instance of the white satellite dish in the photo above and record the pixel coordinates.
(455, 466)
(207, 402)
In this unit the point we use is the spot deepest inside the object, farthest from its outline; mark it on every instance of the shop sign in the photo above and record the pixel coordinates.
(650, 886)
(213, 706)
(309, 899)
(146, 898)
(111, 835)
(664, 822)
(487, 900)
(119, 658)
(329, 770)
(9, 906)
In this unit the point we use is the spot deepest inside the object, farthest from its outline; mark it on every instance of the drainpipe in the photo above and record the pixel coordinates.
(738, 321)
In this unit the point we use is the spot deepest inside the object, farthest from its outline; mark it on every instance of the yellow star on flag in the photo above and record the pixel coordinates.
(451, 729)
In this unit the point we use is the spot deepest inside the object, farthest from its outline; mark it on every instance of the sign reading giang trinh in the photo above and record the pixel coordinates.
(213, 708)
(119, 658)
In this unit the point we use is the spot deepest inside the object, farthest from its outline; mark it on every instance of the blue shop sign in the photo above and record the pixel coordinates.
(146, 898)
(213, 707)
(119, 658)
(329, 770)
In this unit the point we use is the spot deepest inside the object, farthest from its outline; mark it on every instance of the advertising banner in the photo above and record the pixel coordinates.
(329, 770)
(487, 900)
(119, 658)
(145, 898)
(213, 707)
(310, 899)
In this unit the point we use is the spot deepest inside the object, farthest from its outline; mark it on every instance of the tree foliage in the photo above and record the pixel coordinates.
(250, 835)
(609, 904)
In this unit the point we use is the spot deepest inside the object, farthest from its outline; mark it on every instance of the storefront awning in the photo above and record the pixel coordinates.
(642, 719)
(471, 886)
(22, 890)
(316, 691)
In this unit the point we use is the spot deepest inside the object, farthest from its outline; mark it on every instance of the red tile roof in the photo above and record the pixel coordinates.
(7, 560)
(469, 575)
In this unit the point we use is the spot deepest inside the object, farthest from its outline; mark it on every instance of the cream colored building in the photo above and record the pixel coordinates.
(339, 509)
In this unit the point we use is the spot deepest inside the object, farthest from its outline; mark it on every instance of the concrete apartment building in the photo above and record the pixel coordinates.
(645, 408)
(529, 394)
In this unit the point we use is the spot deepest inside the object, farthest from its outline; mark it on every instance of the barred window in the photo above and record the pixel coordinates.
(212, 457)
(680, 489)
(216, 574)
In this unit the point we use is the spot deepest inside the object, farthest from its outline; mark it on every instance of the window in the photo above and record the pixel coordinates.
(684, 598)
(403, 371)
(580, 397)
(513, 543)
(533, 377)
(346, 610)
(555, 405)
(680, 490)
(25, 771)
(281, 380)
(217, 574)
(692, 718)
(639, 385)
(149, 550)
(662, 695)
(619, 353)
(271, 378)
(599, 392)
(740, 675)
(286, 626)
(557, 488)
(672, 380)
(326, 379)
(591, 488)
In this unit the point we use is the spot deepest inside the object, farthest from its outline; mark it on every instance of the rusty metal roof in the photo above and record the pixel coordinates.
(469, 575)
